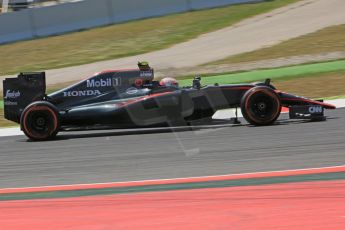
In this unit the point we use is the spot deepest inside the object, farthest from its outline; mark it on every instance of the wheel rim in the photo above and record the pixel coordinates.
(263, 106)
(41, 123)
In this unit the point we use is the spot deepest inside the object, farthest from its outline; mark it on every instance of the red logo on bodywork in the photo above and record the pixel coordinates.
(138, 82)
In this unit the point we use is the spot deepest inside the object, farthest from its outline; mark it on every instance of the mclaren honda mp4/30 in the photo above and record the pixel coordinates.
(131, 98)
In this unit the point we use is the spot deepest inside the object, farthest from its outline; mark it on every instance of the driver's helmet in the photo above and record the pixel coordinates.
(168, 82)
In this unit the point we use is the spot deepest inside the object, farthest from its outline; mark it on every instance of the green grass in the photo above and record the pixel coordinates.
(327, 40)
(125, 39)
(284, 73)
(334, 97)
(3, 122)
(321, 80)
(328, 85)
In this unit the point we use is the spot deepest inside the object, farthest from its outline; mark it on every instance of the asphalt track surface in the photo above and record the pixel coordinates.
(111, 156)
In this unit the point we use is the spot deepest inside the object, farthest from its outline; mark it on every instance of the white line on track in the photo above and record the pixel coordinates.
(181, 178)
(7, 132)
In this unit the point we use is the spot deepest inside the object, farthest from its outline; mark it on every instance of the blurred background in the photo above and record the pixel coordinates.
(16, 5)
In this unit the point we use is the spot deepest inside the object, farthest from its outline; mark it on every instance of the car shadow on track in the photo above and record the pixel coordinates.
(139, 131)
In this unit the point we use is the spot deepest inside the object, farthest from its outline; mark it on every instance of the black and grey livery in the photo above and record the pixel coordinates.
(131, 98)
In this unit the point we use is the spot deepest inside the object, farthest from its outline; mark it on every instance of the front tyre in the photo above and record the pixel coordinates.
(261, 106)
(40, 121)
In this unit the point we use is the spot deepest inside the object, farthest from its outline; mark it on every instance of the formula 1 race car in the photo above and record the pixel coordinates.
(131, 98)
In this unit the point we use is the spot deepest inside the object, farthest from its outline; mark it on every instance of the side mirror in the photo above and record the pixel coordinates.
(268, 82)
(197, 82)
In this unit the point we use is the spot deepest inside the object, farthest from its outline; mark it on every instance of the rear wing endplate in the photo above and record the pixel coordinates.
(20, 91)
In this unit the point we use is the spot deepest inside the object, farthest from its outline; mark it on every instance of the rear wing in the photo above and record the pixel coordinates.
(20, 91)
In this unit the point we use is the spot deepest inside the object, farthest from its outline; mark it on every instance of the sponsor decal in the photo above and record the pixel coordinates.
(12, 95)
(132, 90)
(116, 81)
(11, 103)
(315, 109)
(138, 82)
(81, 93)
(93, 83)
(108, 82)
(146, 73)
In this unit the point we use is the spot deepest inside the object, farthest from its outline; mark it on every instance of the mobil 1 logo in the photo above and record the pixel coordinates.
(103, 83)
(98, 83)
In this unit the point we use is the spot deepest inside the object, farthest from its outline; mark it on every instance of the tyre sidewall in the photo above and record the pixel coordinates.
(40, 106)
(246, 111)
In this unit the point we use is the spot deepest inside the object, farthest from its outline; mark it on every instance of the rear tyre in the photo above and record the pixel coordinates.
(40, 121)
(261, 106)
